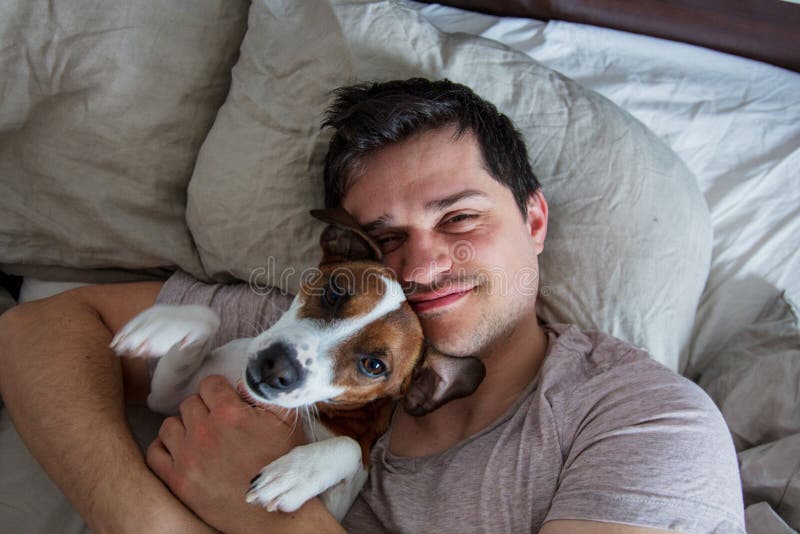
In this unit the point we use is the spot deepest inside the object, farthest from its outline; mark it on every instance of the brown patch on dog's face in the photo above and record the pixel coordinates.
(380, 359)
(344, 291)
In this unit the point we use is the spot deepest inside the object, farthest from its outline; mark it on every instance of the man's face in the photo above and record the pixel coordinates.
(454, 236)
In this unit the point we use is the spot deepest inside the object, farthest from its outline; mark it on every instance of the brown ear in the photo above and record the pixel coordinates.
(441, 378)
(343, 239)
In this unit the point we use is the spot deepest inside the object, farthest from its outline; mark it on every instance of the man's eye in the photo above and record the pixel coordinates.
(388, 243)
(372, 367)
(461, 217)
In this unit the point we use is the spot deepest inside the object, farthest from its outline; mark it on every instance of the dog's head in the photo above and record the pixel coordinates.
(351, 337)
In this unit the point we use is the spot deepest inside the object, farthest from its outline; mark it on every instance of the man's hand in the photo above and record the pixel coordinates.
(208, 455)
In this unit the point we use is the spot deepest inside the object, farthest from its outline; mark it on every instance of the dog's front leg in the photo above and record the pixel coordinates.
(308, 470)
(177, 336)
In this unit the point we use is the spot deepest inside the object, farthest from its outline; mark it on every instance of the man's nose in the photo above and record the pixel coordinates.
(424, 259)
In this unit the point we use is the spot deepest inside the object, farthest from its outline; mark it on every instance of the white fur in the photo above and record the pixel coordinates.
(305, 472)
(148, 334)
(178, 335)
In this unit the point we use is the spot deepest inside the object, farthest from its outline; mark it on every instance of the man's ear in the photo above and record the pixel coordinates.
(343, 239)
(537, 212)
(441, 378)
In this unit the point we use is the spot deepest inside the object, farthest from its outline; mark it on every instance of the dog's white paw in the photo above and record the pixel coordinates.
(303, 473)
(156, 330)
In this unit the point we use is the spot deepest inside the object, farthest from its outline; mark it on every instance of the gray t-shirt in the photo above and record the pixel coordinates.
(603, 433)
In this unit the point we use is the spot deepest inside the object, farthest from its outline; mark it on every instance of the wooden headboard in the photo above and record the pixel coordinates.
(766, 30)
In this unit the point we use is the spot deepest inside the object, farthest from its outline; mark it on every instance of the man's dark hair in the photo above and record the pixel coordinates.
(369, 116)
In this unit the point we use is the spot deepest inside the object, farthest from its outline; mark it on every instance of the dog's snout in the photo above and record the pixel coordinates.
(278, 372)
(274, 368)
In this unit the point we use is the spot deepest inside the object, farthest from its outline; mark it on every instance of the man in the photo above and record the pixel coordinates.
(569, 431)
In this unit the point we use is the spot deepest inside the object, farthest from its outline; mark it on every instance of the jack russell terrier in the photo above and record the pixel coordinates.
(348, 347)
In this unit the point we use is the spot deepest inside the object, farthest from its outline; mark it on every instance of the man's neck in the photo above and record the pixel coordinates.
(510, 367)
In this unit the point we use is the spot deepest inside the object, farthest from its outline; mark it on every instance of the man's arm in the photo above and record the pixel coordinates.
(64, 389)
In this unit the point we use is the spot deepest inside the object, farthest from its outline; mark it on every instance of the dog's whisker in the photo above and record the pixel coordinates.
(257, 327)
(315, 414)
(296, 413)
(310, 416)
(288, 414)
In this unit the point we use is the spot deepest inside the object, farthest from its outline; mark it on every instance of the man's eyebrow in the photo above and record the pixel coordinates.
(446, 202)
(378, 223)
(434, 205)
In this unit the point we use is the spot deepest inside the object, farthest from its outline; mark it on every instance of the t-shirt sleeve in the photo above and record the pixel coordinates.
(244, 311)
(648, 448)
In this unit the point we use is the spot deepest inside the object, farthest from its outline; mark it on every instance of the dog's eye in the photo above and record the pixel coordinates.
(372, 367)
(333, 295)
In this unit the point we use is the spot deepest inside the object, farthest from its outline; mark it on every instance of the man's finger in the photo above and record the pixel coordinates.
(171, 433)
(159, 459)
(215, 391)
(192, 409)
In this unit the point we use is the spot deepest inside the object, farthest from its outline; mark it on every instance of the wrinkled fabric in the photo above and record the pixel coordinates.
(103, 106)
(755, 380)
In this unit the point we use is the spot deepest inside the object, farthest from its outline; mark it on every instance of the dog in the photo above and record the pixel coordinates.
(345, 353)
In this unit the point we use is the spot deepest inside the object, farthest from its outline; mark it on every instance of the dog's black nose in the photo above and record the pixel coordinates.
(274, 368)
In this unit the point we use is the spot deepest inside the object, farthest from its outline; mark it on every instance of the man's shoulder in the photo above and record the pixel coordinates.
(586, 370)
(629, 430)
(585, 354)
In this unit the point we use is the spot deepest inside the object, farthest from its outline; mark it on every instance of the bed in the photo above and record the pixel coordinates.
(148, 169)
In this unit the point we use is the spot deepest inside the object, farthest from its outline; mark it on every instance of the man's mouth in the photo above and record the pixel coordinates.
(423, 302)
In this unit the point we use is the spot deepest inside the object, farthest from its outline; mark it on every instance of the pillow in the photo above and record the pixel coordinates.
(629, 245)
(104, 107)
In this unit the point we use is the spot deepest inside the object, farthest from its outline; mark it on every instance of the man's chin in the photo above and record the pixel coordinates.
(451, 342)
(460, 334)
(451, 330)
